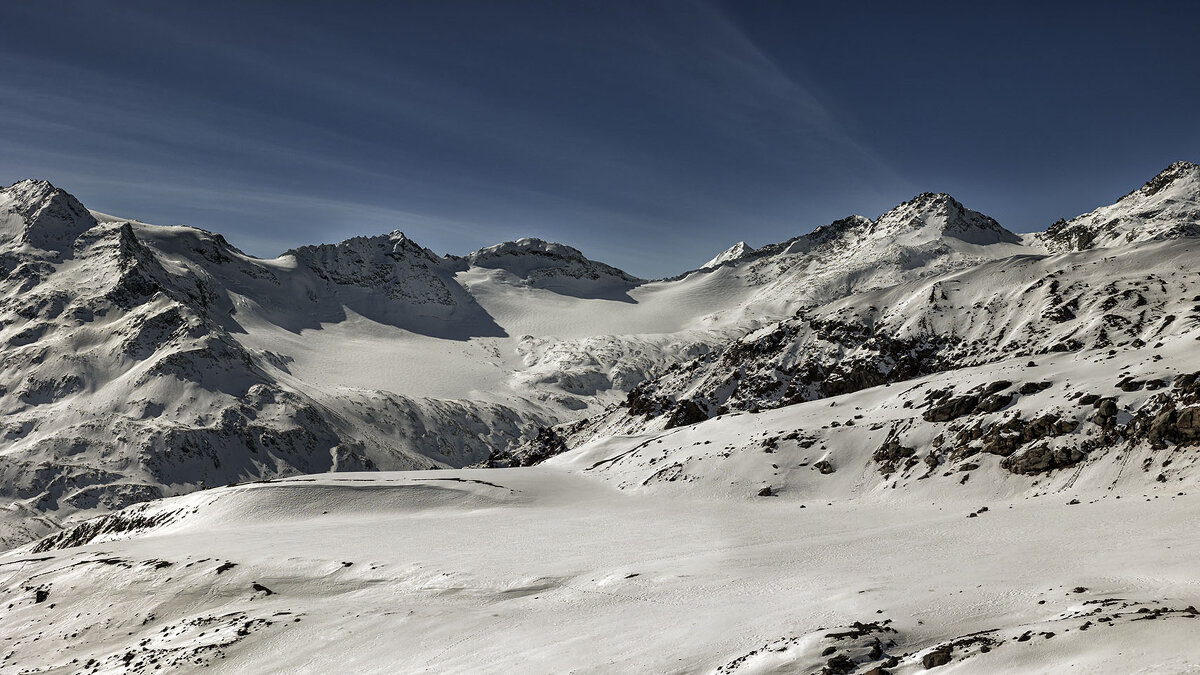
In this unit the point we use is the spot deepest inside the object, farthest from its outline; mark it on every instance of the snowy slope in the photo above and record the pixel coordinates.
(547, 569)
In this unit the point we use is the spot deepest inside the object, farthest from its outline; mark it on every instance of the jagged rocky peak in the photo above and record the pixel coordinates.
(532, 259)
(928, 217)
(36, 213)
(401, 244)
(853, 225)
(1166, 207)
(1178, 171)
(937, 215)
(736, 252)
(389, 263)
(395, 246)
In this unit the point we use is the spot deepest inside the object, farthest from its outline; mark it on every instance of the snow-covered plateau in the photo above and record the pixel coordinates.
(915, 442)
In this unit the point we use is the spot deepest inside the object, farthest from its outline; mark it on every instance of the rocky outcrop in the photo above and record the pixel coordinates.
(539, 262)
(544, 445)
(392, 264)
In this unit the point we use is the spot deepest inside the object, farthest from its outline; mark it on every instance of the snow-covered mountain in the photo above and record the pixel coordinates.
(779, 462)
(736, 252)
(1167, 206)
(1135, 314)
(123, 380)
(144, 361)
(928, 235)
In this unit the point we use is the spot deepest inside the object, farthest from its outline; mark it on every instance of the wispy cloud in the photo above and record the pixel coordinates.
(655, 129)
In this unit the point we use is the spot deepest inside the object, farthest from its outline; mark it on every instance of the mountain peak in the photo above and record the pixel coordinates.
(926, 218)
(937, 214)
(735, 252)
(393, 244)
(533, 259)
(49, 218)
(934, 198)
(1177, 171)
(528, 245)
(1166, 207)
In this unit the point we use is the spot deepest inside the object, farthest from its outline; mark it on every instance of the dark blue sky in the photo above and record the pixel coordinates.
(650, 134)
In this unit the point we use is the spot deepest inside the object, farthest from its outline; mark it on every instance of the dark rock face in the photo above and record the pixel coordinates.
(1040, 458)
(776, 369)
(952, 409)
(641, 402)
(1169, 418)
(1178, 426)
(686, 412)
(132, 520)
(983, 400)
(1006, 437)
(546, 444)
(1106, 412)
(889, 455)
(840, 665)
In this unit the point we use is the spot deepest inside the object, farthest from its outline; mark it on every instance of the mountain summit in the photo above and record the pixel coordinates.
(934, 215)
(925, 220)
(736, 252)
(534, 260)
(35, 213)
(1166, 207)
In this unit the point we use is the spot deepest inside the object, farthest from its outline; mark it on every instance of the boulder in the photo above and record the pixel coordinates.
(937, 657)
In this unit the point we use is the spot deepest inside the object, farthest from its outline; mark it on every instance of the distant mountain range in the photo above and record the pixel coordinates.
(142, 361)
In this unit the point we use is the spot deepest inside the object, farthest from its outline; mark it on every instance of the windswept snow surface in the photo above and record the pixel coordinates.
(557, 569)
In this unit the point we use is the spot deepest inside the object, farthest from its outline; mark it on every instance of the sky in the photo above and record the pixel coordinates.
(650, 135)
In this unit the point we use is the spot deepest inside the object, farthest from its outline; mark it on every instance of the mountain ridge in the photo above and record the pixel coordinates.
(1167, 206)
(144, 361)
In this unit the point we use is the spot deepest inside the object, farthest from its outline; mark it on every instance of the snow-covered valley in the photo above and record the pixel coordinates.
(915, 441)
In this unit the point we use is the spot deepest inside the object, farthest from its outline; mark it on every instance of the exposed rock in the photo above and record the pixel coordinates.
(952, 409)
(937, 657)
(686, 412)
(1106, 413)
(890, 453)
(545, 444)
(840, 665)
(1034, 387)
(1042, 457)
